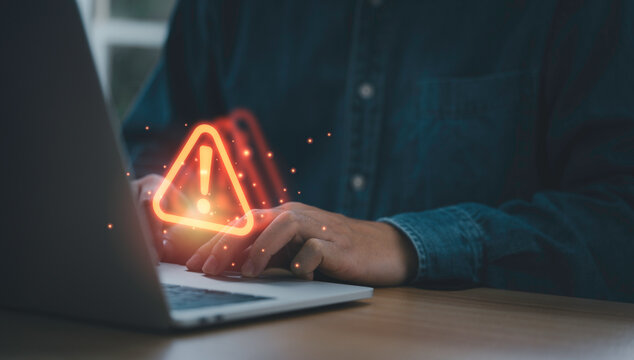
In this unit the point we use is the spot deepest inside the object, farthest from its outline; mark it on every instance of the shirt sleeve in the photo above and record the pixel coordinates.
(183, 88)
(576, 236)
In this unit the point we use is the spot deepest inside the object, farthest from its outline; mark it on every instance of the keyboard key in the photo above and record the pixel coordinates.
(185, 297)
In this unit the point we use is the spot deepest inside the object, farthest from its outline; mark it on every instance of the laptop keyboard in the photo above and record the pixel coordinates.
(185, 297)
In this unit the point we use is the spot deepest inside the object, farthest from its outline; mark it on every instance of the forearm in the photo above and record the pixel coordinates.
(573, 243)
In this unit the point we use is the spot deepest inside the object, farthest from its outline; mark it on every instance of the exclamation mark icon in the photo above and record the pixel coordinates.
(205, 154)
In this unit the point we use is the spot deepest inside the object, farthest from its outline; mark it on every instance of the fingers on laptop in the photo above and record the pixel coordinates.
(289, 226)
(168, 241)
(180, 242)
(310, 257)
(224, 251)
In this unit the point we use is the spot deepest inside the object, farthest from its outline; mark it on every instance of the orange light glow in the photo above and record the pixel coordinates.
(127, 173)
(296, 265)
(309, 140)
(188, 147)
(323, 228)
(246, 152)
(225, 247)
(263, 250)
(269, 154)
(329, 134)
(203, 205)
(109, 226)
(293, 170)
(147, 128)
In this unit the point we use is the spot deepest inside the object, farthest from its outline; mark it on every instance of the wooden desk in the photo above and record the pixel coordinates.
(398, 323)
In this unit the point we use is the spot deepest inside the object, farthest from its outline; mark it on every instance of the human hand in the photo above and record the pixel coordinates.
(351, 250)
(173, 243)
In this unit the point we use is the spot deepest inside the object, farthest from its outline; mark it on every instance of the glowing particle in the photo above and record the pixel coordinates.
(254, 184)
(262, 250)
(323, 228)
(296, 265)
(164, 166)
(269, 154)
(246, 152)
(281, 201)
(164, 231)
(233, 140)
(233, 264)
(240, 175)
(263, 202)
(309, 140)
(149, 192)
(127, 173)
(225, 247)
(147, 127)
(237, 217)
(293, 170)
(262, 216)
(109, 226)
(284, 189)
(299, 193)
(329, 134)
(185, 124)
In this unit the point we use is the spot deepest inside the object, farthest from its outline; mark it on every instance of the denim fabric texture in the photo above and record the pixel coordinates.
(497, 136)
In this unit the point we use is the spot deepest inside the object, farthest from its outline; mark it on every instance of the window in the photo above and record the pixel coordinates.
(126, 37)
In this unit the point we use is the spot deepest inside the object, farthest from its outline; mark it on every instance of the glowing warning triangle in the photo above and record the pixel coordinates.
(198, 177)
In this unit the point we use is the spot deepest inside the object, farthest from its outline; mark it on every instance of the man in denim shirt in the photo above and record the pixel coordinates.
(491, 145)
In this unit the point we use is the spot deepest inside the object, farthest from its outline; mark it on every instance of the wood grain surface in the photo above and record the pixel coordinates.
(397, 323)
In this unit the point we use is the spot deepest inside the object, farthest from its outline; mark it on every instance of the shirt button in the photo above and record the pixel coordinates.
(376, 3)
(366, 91)
(358, 182)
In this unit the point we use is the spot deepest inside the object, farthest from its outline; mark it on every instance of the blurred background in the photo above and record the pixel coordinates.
(125, 37)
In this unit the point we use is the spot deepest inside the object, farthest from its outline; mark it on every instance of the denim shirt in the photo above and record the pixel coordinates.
(498, 136)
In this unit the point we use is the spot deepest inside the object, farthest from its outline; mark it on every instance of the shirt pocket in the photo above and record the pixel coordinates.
(476, 138)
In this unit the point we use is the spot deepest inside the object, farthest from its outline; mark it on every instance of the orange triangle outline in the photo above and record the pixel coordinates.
(174, 169)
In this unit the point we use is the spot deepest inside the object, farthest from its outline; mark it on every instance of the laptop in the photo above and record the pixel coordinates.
(73, 242)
